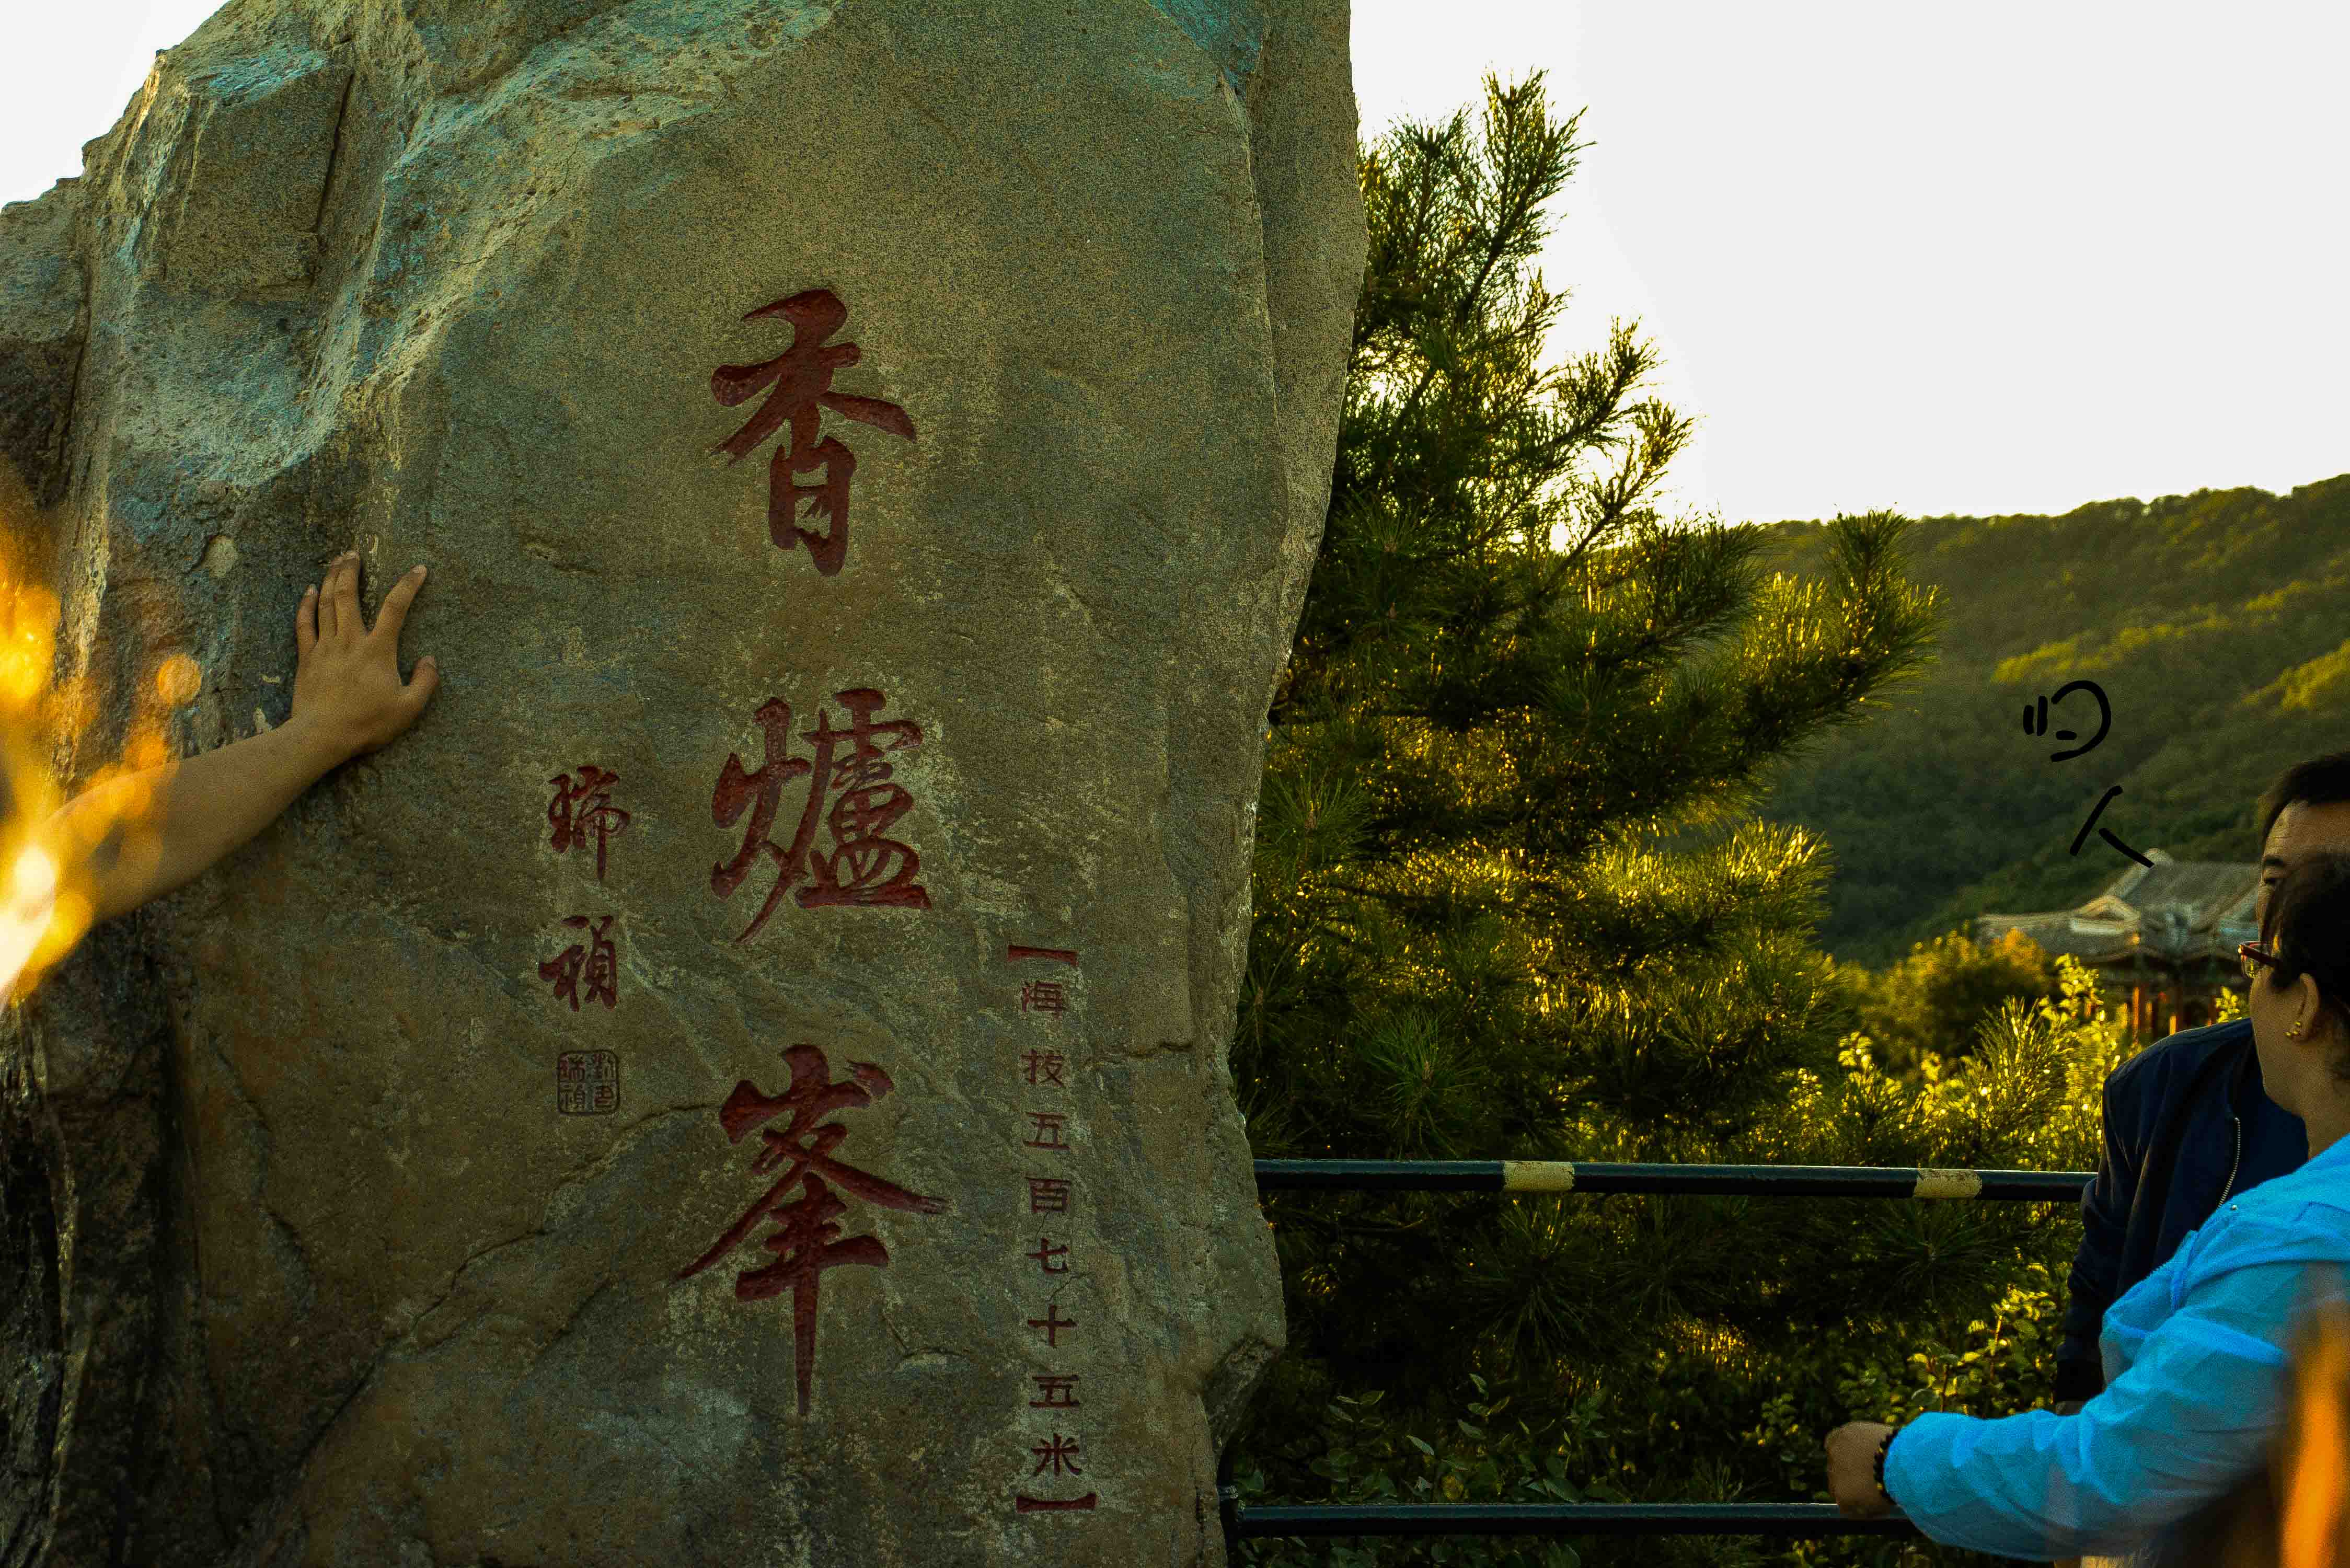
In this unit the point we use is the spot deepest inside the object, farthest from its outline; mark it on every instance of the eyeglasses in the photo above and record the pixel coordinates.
(2252, 957)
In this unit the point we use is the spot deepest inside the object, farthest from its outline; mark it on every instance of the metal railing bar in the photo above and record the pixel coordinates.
(1786, 1520)
(1525, 1176)
(1795, 1520)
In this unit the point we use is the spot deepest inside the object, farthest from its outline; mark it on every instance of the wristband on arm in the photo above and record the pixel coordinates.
(1885, 1446)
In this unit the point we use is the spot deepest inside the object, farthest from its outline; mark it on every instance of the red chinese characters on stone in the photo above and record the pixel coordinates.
(1039, 1505)
(1060, 1457)
(1052, 1322)
(803, 1240)
(594, 963)
(1050, 997)
(863, 867)
(1058, 1391)
(802, 377)
(1049, 1195)
(585, 809)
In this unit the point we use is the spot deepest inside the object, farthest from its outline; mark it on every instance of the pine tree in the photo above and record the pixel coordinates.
(1510, 679)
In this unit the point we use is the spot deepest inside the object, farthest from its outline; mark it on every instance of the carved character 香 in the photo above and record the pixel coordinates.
(802, 377)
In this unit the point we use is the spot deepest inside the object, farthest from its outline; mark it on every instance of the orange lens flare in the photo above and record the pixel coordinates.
(2316, 1469)
(56, 857)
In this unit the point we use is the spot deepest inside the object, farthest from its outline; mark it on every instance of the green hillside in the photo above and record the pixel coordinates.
(2218, 625)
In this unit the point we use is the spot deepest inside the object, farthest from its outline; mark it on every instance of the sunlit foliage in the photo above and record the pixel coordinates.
(1511, 680)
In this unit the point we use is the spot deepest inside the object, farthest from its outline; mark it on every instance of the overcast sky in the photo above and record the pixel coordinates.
(1991, 258)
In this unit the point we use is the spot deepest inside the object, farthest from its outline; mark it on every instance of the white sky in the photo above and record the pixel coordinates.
(2007, 256)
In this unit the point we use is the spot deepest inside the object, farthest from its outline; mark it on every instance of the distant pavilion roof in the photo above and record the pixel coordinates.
(2171, 912)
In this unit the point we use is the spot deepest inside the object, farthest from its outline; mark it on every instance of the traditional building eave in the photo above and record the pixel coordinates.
(2169, 915)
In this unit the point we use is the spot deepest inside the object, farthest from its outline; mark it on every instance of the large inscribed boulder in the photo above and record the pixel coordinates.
(743, 1080)
(43, 320)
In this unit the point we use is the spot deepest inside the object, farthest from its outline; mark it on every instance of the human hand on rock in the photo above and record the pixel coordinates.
(348, 699)
(348, 693)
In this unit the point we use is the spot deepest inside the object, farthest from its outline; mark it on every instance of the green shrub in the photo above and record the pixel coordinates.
(1733, 1408)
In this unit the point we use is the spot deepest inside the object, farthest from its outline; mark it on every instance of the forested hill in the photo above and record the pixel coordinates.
(2218, 625)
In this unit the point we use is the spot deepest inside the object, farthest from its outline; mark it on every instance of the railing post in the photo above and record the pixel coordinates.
(1228, 1500)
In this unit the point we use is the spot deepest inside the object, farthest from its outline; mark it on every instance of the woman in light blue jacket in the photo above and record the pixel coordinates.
(2194, 1353)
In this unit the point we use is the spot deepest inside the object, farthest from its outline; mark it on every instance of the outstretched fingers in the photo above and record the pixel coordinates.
(424, 681)
(345, 593)
(394, 613)
(326, 602)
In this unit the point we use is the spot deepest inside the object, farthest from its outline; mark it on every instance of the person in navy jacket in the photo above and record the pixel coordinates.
(2187, 1122)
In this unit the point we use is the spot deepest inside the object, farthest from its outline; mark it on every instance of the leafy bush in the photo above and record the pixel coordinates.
(1967, 1318)
(1920, 1013)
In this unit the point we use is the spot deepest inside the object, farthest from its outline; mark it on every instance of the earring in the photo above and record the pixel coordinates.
(2293, 1032)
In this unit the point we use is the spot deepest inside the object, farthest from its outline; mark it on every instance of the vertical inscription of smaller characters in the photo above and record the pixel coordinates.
(1041, 1075)
(587, 1082)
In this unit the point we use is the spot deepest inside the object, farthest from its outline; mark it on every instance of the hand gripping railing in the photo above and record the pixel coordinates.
(1793, 1521)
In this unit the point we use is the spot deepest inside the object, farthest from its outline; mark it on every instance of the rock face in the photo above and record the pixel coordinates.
(43, 321)
(743, 1080)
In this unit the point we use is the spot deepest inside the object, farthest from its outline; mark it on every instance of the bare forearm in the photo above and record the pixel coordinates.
(211, 804)
(151, 832)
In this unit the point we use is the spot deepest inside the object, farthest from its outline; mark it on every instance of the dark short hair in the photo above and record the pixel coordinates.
(2321, 781)
(2307, 930)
